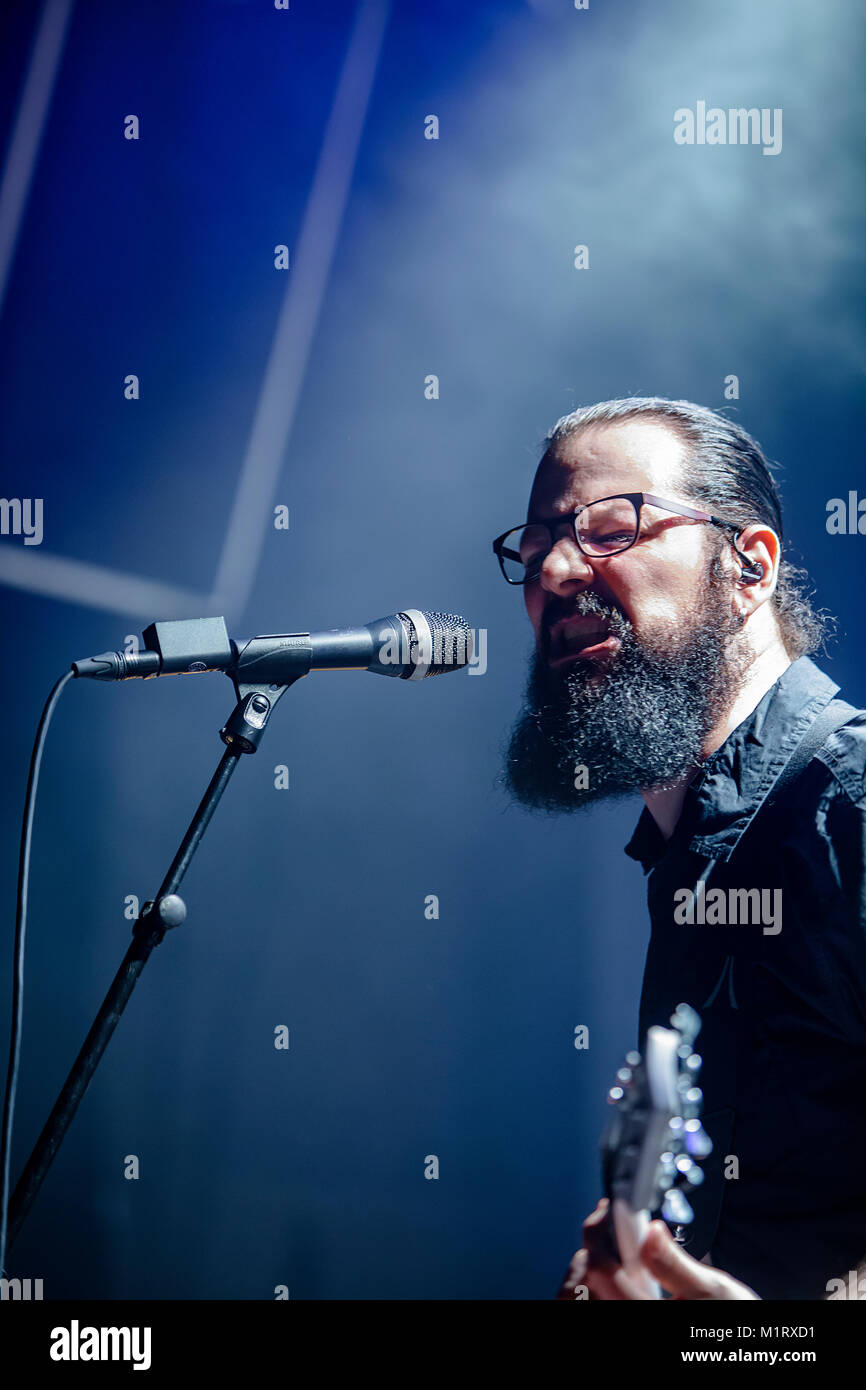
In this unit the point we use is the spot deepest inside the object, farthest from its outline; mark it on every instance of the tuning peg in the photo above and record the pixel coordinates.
(692, 1096)
(667, 1169)
(688, 1171)
(693, 1063)
(615, 1094)
(698, 1143)
(676, 1209)
(686, 1021)
(633, 1059)
(625, 1075)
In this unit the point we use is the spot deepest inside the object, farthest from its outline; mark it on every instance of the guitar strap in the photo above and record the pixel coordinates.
(831, 718)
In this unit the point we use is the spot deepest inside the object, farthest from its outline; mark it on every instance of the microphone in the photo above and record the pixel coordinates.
(410, 645)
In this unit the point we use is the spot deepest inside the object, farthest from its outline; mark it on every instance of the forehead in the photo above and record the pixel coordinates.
(624, 456)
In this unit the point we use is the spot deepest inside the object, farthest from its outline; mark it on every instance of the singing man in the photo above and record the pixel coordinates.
(672, 658)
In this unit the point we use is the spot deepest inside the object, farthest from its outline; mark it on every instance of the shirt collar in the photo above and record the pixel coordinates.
(734, 782)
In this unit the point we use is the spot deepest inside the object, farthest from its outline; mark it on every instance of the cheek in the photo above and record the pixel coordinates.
(652, 593)
(533, 600)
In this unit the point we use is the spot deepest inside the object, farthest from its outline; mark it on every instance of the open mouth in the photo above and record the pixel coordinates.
(577, 636)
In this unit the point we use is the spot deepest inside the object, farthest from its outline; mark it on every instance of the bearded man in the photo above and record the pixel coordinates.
(672, 659)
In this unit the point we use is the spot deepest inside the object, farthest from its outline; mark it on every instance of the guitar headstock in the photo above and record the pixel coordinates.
(654, 1138)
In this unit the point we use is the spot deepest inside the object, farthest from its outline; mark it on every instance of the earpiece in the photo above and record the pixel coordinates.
(751, 573)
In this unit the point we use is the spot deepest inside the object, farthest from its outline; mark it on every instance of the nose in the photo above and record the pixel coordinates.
(565, 568)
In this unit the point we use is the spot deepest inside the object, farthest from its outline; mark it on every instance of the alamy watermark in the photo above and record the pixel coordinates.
(854, 1288)
(22, 516)
(729, 907)
(76, 1343)
(455, 647)
(738, 125)
(21, 1290)
(846, 518)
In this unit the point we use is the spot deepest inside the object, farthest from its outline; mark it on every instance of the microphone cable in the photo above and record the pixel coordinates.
(18, 960)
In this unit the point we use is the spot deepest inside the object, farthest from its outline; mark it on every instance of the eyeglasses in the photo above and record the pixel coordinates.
(605, 527)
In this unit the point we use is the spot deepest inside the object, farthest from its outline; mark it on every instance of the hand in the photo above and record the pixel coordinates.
(597, 1268)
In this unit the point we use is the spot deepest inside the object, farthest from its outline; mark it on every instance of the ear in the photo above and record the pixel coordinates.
(755, 579)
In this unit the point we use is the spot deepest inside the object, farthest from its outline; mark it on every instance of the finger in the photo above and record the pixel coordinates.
(602, 1258)
(683, 1276)
(598, 1283)
(613, 1282)
(599, 1239)
(675, 1270)
(575, 1276)
(605, 1277)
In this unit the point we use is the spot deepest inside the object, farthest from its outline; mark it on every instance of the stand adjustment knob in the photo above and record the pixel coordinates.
(172, 909)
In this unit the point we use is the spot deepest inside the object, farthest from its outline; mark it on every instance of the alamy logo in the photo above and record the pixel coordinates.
(457, 647)
(21, 1289)
(22, 516)
(738, 907)
(738, 125)
(846, 520)
(76, 1343)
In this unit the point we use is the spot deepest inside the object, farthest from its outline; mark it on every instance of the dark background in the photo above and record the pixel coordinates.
(409, 1037)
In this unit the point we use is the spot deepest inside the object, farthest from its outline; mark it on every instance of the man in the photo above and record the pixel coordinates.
(671, 659)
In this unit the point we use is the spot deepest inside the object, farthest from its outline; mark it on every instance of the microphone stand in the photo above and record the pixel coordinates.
(241, 734)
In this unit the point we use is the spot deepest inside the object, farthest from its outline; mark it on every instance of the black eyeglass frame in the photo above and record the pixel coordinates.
(638, 500)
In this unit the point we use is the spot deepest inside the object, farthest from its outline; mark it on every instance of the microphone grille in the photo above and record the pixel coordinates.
(448, 647)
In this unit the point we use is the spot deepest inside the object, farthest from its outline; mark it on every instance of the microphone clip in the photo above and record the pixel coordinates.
(245, 725)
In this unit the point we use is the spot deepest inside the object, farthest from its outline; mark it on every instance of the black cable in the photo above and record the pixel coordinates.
(18, 959)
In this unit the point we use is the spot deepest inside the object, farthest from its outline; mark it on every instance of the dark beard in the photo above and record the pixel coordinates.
(640, 723)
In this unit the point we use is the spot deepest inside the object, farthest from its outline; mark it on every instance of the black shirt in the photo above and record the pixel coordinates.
(782, 995)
